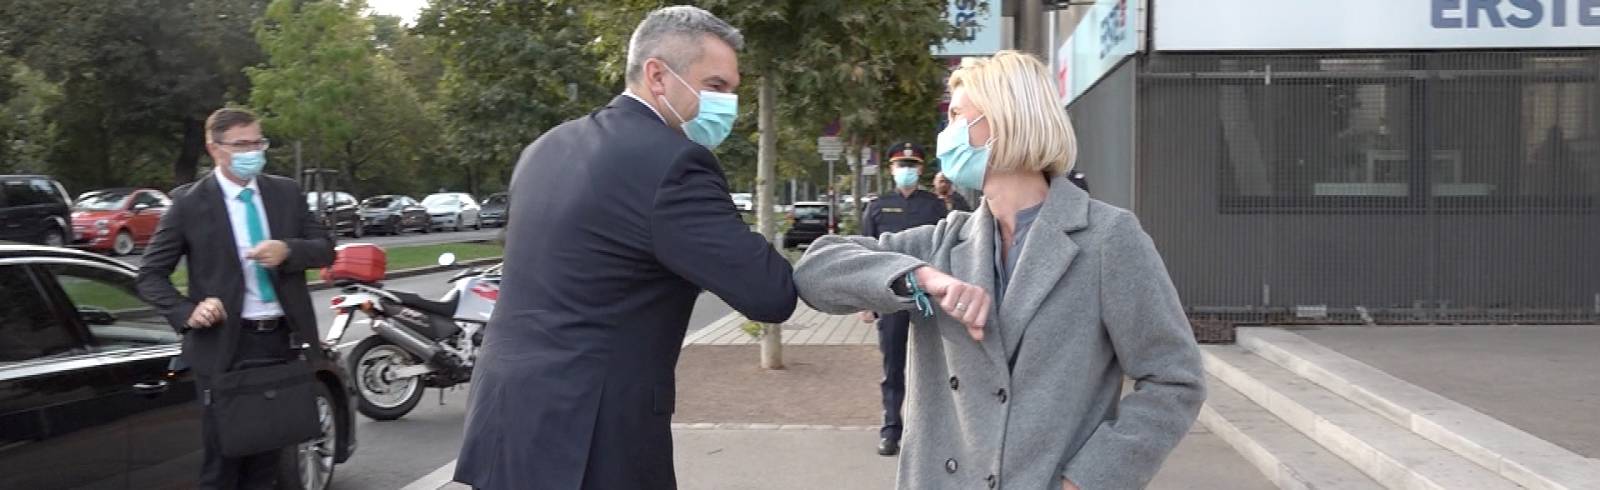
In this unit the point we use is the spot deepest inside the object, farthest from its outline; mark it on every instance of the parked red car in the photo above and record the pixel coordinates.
(117, 220)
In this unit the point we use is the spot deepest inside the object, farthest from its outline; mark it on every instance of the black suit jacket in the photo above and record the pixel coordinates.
(619, 223)
(196, 228)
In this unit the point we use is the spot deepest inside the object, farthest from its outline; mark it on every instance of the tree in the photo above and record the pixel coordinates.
(324, 84)
(511, 71)
(134, 90)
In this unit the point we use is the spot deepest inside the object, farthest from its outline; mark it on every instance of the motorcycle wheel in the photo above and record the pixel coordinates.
(379, 395)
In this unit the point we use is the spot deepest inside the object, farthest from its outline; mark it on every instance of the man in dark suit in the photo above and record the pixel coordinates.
(621, 219)
(248, 240)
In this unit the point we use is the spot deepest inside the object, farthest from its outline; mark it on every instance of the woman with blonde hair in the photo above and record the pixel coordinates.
(1028, 313)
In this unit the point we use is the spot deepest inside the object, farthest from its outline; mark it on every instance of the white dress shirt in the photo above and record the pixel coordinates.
(629, 93)
(254, 308)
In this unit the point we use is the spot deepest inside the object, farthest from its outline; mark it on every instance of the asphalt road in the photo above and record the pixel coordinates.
(393, 454)
(411, 238)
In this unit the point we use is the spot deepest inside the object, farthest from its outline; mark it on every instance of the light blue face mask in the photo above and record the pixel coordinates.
(715, 120)
(906, 177)
(248, 165)
(962, 163)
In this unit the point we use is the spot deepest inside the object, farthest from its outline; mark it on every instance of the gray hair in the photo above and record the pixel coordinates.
(672, 34)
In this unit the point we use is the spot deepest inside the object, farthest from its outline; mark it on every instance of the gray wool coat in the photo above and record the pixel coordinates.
(1092, 303)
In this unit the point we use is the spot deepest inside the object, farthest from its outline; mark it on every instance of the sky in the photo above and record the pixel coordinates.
(406, 10)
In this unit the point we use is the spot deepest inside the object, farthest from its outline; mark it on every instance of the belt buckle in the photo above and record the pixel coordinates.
(267, 325)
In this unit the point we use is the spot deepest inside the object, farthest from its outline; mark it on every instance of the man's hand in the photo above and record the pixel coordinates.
(207, 314)
(269, 253)
(965, 302)
(1068, 485)
(868, 317)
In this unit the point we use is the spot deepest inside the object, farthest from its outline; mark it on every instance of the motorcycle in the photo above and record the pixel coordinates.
(417, 343)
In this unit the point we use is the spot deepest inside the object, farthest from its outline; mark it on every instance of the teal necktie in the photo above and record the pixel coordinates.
(258, 233)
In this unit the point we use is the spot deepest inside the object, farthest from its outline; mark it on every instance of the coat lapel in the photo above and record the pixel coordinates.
(1046, 255)
(217, 218)
(272, 203)
(972, 260)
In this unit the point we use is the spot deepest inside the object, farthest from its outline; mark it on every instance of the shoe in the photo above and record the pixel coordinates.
(888, 447)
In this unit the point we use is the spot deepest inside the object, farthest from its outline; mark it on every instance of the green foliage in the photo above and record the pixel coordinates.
(326, 85)
(511, 71)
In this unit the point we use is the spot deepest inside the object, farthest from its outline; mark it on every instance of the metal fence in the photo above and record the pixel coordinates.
(1395, 187)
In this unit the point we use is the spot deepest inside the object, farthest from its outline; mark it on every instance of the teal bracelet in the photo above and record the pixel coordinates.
(919, 296)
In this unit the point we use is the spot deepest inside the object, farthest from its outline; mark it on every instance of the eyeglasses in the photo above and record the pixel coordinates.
(247, 145)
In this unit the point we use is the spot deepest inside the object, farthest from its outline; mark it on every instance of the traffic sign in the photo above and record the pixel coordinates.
(830, 147)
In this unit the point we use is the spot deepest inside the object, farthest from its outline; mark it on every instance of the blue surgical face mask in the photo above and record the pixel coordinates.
(906, 177)
(248, 165)
(715, 119)
(962, 163)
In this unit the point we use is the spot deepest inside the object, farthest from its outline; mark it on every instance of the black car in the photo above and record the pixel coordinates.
(92, 391)
(495, 210)
(807, 221)
(394, 215)
(343, 213)
(35, 209)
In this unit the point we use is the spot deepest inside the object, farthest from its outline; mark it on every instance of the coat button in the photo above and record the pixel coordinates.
(1002, 395)
(955, 384)
(950, 465)
(993, 481)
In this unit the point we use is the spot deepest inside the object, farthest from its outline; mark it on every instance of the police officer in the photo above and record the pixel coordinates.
(908, 207)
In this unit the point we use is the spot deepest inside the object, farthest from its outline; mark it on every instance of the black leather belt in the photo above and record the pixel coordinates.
(266, 325)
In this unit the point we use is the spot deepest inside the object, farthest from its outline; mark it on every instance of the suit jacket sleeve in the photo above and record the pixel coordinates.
(697, 234)
(1150, 334)
(312, 248)
(161, 257)
(869, 221)
(841, 274)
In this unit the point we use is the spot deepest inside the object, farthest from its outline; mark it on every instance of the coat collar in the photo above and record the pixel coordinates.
(1044, 259)
(632, 103)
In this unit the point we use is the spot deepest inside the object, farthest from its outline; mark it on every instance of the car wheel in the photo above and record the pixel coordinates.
(427, 227)
(53, 237)
(477, 224)
(380, 395)
(459, 224)
(309, 465)
(396, 228)
(123, 245)
(358, 229)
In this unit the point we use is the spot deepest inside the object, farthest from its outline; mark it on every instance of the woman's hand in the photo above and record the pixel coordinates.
(1068, 485)
(868, 317)
(965, 302)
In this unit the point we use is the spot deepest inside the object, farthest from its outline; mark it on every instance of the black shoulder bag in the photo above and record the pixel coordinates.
(262, 407)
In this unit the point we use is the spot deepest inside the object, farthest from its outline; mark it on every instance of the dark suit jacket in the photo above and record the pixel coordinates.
(619, 223)
(196, 228)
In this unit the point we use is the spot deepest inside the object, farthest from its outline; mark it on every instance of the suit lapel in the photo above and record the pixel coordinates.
(972, 260)
(272, 204)
(217, 217)
(1046, 255)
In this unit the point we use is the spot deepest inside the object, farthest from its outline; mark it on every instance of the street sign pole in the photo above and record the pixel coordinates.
(832, 149)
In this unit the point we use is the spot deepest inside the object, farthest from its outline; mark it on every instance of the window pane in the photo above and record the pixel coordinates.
(28, 330)
(115, 315)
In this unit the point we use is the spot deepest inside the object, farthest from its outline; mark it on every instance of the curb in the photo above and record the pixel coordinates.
(413, 272)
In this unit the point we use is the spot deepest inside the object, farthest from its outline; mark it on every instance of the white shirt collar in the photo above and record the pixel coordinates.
(231, 189)
(629, 93)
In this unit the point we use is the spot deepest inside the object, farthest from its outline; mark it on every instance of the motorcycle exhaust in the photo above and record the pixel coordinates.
(409, 340)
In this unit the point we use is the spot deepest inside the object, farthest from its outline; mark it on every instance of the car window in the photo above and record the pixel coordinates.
(149, 199)
(808, 212)
(345, 199)
(379, 202)
(495, 200)
(438, 199)
(102, 201)
(28, 192)
(107, 304)
(28, 328)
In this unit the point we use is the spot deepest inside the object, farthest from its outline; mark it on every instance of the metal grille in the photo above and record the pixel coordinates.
(1394, 187)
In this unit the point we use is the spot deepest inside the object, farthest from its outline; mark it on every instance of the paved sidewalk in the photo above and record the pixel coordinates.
(805, 327)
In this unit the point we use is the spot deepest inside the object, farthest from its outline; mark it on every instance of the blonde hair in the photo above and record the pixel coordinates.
(1016, 94)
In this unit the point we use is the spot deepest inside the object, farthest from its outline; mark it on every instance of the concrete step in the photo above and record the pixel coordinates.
(1388, 453)
(1288, 458)
(1512, 453)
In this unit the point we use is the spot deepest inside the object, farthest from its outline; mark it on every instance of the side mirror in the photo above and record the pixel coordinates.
(447, 259)
(138, 208)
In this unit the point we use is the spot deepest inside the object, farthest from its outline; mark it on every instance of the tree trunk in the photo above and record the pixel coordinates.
(194, 143)
(766, 164)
